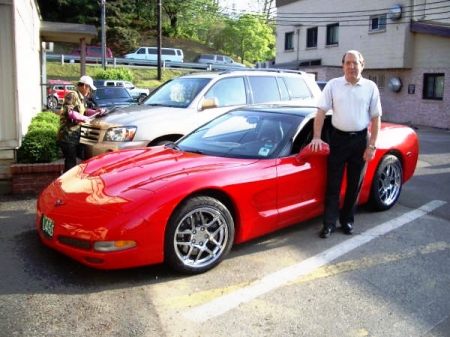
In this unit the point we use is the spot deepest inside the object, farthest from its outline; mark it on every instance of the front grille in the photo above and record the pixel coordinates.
(90, 132)
(78, 243)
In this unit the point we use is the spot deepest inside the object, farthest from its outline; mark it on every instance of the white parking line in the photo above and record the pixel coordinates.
(275, 280)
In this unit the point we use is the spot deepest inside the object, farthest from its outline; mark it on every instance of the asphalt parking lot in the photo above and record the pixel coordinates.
(391, 278)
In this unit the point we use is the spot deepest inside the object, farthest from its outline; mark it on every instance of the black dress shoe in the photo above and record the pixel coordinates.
(326, 231)
(347, 228)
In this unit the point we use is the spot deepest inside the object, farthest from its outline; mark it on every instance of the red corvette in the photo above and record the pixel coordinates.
(240, 176)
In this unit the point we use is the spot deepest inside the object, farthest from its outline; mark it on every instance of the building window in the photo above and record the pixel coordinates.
(333, 34)
(379, 81)
(311, 38)
(433, 86)
(289, 41)
(377, 23)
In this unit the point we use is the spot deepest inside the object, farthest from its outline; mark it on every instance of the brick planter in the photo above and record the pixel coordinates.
(33, 178)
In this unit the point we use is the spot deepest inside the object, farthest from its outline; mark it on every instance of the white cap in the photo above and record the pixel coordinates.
(87, 80)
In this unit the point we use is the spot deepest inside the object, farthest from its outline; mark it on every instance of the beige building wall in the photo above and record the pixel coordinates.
(20, 94)
(395, 53)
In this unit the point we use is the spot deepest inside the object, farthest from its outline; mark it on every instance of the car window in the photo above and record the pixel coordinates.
(264, 88)
(220, 58)
(152, 51)
(297, 88)
(111, 93)
(141, 51)
(168, 52)
(179, 92)
(207, 57)
(283, 89)
(242, 134)
(228, 91)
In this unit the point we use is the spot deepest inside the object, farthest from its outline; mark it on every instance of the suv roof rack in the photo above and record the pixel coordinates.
(277, 70)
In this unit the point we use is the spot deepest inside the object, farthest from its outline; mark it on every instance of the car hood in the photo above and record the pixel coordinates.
(121, 174)
(129, 115)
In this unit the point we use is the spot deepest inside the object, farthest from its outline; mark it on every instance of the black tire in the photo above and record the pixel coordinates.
(199, 235)
(52, 102)
(141, 98)
(386, 184)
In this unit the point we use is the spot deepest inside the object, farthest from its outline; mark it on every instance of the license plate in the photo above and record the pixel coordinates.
(47, 226)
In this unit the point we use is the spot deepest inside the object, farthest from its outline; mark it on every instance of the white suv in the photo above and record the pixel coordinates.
(183, 103)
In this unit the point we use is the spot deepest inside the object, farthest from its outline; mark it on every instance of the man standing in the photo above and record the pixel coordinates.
(356, 104)
(73, 113)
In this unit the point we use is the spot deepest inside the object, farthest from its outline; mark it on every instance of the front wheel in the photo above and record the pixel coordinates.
(386, 183)
(199, 235)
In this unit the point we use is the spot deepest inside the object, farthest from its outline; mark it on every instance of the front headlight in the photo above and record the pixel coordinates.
(120, 134)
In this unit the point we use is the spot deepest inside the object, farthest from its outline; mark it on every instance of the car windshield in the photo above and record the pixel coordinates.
(106, 93)
(179, 92)
(243, 134)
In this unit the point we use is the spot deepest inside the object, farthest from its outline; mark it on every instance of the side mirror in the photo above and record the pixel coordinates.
(306, 153)
(210, 103)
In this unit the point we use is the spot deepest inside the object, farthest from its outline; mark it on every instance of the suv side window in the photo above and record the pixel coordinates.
(297, 88)
(141, 51)
(283, 89)
(229, 91)
(264, 88)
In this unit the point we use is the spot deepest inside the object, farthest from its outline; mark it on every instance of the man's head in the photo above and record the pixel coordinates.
(353, 65)
(85, 83)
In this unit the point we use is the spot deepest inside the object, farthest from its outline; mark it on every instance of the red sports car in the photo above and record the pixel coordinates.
(240, 176)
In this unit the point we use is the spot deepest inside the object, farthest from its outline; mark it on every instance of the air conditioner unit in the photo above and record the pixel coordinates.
(47, 46)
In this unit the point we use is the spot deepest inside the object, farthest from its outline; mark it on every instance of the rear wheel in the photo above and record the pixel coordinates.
(199, 235)
(387, 183)
(52, 102)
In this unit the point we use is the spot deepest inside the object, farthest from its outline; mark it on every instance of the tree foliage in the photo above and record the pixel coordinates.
(250, 36)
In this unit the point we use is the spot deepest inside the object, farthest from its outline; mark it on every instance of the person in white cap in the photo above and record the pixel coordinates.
(74, 112)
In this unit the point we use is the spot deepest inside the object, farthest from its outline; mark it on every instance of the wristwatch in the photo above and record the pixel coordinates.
(373, 147)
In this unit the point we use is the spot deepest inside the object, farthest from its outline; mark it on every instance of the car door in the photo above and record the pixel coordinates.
(229, 93)
(301, 185)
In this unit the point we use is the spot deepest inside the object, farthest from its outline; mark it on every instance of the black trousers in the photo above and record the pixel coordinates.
(69, 151)
(346, 151)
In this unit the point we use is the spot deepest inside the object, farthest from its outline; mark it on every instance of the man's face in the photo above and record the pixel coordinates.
(353, 68)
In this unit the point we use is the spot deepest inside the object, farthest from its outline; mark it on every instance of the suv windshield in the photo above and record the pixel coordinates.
(178, 92)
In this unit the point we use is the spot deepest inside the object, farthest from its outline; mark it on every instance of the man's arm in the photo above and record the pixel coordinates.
(369, 153)
(316, 142)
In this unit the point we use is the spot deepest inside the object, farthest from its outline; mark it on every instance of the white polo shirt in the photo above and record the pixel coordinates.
(353, 105)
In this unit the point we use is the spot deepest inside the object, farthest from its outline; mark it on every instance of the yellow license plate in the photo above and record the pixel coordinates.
(48, 226)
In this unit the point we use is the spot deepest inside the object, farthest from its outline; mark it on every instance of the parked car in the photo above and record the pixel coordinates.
(56, 91)
(242, 175)
(92, 51)
(185, 102)
(139, 94)
(217, 59)
(151, 54)
(112, 96)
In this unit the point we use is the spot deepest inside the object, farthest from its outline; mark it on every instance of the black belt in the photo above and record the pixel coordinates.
(351, 134)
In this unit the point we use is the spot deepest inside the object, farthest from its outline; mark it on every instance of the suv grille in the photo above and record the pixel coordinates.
(90, 132)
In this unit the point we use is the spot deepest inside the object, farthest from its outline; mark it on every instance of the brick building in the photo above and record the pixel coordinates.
(405, 45)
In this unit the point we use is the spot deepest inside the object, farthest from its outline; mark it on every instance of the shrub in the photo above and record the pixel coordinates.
(119, 73)
(39, 144)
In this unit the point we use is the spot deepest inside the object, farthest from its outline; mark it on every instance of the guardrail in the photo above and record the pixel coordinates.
(115, 62)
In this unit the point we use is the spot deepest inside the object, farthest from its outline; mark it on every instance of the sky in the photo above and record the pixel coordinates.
(249, 6)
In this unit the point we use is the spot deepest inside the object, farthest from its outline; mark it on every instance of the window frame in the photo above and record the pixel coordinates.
(312, 37)
(381, 23)
(289, 41)
(332, 37)
(379, 80)
(427, 77)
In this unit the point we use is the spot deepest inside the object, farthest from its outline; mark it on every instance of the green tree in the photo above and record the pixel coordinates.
(249, 38)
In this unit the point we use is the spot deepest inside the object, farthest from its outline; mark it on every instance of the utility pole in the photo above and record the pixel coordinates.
(158, 40)
(103, 34)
